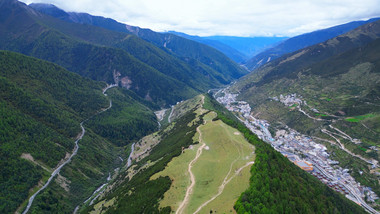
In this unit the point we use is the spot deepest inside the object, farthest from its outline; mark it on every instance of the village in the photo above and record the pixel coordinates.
(301, 150)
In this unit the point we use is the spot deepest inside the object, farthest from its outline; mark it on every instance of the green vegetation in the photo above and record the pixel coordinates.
(321, 115)
(140, 194)
(184, 68)
(39, 118)
(78, 180)
(278, 186)
(226, 152)
(359, 118)
(126, 121)
(41, 106)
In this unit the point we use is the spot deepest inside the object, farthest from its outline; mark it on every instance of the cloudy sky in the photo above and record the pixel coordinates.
(227, 17)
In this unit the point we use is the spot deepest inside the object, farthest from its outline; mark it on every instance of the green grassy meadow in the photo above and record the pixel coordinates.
(226, 151)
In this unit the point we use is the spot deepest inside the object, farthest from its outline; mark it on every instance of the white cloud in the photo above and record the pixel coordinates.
(227, 17)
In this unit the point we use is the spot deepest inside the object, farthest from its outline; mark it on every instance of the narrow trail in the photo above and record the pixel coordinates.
(307, 115)
(189, 189)
(339, 133)
(75, 151)
(221, 187)
(226, 179)
(331, 134)
(192, 177)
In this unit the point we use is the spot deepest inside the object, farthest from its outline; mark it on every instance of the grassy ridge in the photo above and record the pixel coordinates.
(225, 153)
(140, 194)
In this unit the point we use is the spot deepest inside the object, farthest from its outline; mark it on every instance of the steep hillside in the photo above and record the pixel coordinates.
(289, 65)
(34, 37)
(199, 66)
(158, 178)
(42, 106)
(190, 50)
(112, 56)
(301, 41)
(330, 92)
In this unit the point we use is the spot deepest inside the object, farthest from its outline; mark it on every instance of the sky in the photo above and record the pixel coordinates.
(246, 18)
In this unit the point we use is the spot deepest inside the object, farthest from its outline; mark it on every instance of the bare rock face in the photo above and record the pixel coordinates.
(126, 82)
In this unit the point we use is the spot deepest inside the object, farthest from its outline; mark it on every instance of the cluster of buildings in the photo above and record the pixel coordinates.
(289, 99)
(302, 150)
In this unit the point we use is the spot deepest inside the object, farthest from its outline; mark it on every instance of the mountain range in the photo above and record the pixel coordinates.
(240, 49)
(99, 116)
(117, 57)
(302, 41)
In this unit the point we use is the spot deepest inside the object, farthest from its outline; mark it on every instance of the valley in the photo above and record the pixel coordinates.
(304, 152)
(103, 117)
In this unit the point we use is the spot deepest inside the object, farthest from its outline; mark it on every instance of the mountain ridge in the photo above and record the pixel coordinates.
(301, 41)
(184, 76)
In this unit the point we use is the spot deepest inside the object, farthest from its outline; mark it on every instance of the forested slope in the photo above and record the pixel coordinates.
(42, 105)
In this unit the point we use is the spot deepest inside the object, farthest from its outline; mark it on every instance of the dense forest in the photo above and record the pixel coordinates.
(41, 107)
(126, 121)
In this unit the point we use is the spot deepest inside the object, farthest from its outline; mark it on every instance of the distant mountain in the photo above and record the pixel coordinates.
(81, 18)
(239, 49)
(249, 46)
(170, 43)
(302, 41)
(227, 50)
(113, 56)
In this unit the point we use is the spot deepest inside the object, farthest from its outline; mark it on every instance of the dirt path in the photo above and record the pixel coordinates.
(192, 177)
(341, 145)
(221, 187)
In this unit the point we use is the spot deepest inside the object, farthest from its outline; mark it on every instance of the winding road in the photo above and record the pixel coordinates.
(58, 169)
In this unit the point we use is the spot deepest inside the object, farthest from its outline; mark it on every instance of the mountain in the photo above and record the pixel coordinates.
(81, 18)
(42, 109)
(227, 50)
(157, 180)
(113, 56)
(302, 41)
(249, 46)
(323, 91)
(204, 56)
(239, 49)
